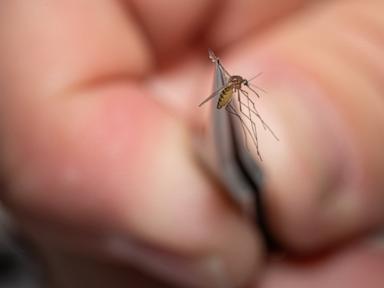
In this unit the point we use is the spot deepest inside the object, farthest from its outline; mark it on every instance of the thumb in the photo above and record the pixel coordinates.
(323, 71)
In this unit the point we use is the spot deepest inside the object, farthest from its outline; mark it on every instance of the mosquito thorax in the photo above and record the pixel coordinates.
(236, 81)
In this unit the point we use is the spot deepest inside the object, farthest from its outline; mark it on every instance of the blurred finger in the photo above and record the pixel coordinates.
(323, 72)
(360, 265)
(87, 154)
(173, 27)
(235, 20)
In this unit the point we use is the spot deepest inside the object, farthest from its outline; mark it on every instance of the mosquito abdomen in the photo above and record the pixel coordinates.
(225, 97)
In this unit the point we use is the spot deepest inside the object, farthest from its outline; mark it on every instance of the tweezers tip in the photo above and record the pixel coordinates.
(212, 55)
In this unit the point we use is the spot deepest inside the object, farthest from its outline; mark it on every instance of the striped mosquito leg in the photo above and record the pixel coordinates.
(245, 128)
(249, 109)
(249, 117)
(256, 113)
(254, 91)
(252, 133)
(231, 110)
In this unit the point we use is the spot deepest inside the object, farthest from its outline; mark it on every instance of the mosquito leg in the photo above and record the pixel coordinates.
(248, 105)
(231, 110)
(254, 91)
(249, 117)
(256, 113)
(265, 125)
(249, 111)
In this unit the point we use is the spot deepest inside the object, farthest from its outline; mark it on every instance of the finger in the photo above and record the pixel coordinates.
(323, 72)
(178, 30)
(173, 27)
(69, 269)
(234, 21)
(360, 265)
(87, 155)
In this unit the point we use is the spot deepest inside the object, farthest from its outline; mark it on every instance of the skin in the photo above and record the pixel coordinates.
(98, 105)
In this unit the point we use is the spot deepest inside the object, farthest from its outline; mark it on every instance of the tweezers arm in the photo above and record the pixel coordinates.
(226, 141)
(239, 171)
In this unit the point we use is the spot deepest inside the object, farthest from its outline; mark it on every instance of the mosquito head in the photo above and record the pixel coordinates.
(245, 82)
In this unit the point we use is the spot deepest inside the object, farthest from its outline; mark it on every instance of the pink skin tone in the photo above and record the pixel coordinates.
(98, 105)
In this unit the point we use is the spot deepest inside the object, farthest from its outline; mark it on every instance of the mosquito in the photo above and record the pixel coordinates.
(233, 89)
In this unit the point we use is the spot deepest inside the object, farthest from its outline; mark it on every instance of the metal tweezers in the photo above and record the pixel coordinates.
(239, 171)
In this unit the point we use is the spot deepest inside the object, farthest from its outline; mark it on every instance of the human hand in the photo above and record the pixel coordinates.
(97, 105)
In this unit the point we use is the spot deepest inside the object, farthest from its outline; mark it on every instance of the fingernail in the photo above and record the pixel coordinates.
(187, 270)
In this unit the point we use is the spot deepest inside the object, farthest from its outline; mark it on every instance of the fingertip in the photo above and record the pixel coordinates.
(322, 184)
(97, 164)
(354, 266)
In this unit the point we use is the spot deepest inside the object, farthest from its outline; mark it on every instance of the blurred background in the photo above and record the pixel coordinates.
(17, 269)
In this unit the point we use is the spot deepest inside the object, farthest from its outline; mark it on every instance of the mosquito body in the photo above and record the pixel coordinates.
(234, 84)
(233, 89)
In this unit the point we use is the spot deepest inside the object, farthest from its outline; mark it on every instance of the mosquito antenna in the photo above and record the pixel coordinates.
(254, 77)
(249, 84)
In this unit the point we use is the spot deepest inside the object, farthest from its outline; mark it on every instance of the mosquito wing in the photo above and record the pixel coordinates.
(211, 96)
